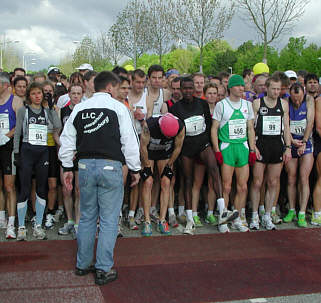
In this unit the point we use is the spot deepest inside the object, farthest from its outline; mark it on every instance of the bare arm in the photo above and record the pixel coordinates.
(286, 120)
(164, 108)
(179, 140)
(214, 135)
(318, 115)
(310, 118)
(251, 134)
(144, 141)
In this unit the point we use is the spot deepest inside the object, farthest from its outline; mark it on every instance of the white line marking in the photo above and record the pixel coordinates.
(258, 300)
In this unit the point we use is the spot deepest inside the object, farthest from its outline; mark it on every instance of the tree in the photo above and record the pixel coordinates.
(107, 47)
(130, 32)
(272, 18)
(85, 52)
(200, 21)
(160, 26)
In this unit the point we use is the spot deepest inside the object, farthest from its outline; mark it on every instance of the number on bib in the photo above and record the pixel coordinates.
(195, 125)
(237, 129)
(4, 124)
(298, 127)
(38, 134)
(271, 125)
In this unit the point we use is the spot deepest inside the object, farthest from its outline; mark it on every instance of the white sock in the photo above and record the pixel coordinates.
(254, 214)
(194, 213)
(61, 207)
(301, 212)
(11, 220)
(261, 209)
(152, 209)
(181, 210)
(131, 213)
(189, 214)
(317, 214)
(243, 211)
(2, 215)
(209, 212)
(220, 205)
(171, 211)
(273, 209)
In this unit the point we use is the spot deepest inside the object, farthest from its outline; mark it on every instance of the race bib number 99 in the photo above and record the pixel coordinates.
(195, 125)
(237, 129)
(271, 125)
(38, 134)
(4, 124)
(298, 127)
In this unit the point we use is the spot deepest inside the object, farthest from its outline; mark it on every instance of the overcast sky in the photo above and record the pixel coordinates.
(46, 29)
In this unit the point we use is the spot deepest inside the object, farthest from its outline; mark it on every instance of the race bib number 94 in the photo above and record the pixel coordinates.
(37, 134)
(237, 129)
(298, 127)
(271, 125)
(4, 124)
(195, 125)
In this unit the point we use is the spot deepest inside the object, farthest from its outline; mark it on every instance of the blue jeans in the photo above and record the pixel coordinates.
(101, 194)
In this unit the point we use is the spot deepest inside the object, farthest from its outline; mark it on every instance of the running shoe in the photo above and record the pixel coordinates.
(243, 219)
(50, 221)
(290, 216)
(163, 228)
(223, 228)
(238, 225)
(22, 233)
(66, 229)
(227, 216)
(302, 221)
(315, 220)
(33, 221)
(147, 229)
(267, 223)
(275, 218)
(139, 218)
(172, 221)
(254, 224)
(39, 232)
(154, 216)
(132, 223)
(197, 221)
(190, 228)
(211, 219)
(3, 224)
(11, 233)
(58, 215)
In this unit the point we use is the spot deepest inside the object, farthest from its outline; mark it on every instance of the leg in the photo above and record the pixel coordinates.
(147, 194)
(306, 164)
(258, 175)
(242, 176)
(227, 175)
(291, 169)
(165, 190)
(272, 180)
(199, 172)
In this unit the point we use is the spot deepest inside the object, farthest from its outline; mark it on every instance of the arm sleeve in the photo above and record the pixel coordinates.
(54, 118)
(129, 141)
(68, 143)
(251, 112)
(207, 116)
(217, 115)
(19, 129)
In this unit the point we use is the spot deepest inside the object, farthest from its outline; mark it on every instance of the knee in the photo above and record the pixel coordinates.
(9, 188)
(256, 183)
(188, 182)
(52, 186)
(165, 183)
(242, 188)
(148, 183)
(291, 179)
(227, 187)
(272, 182)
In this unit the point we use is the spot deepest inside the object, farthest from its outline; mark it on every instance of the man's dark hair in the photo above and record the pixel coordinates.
(186, 79)
(19, 78)
(223, 75)
(138, 73)
(123, 79)
(285, 81)
(19, 69)
(274, 78)
(155, 68)
(302, 73)
(309, 77)
(89, 75)
(177, 79)
(246, 72)
(217, 78)
(103, 79)
(296, 87)
(119, 70)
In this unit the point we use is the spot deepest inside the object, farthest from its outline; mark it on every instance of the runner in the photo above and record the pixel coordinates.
(272, 130)
(20, 87)
(301, 110)
(197, 118)
(199, 83)
(89, 84)
(233, 125)
(161, 143)
(32, 154)
(9, 105)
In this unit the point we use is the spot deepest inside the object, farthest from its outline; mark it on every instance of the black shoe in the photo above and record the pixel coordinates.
(86, 271)
(103, 277)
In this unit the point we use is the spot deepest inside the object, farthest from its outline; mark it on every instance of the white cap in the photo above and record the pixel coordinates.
(85, 66)
(291, 74)
(53, 69)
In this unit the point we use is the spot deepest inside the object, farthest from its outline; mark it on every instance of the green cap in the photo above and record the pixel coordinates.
(235, 80)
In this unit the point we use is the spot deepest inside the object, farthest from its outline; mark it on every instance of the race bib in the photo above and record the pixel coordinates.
(38, 134)
(237, 129)
(298, 127)
(195, 125)
(271, 125)
(4, 124)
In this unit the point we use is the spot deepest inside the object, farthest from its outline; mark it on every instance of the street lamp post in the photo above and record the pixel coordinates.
(2, 45)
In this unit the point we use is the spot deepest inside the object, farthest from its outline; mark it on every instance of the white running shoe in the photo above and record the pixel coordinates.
(139, 218)
(189, 229)
(22, 233)
(267, 223)
(238, 224)
(3, 224)
(255, 223)
(50, 221)
(39, 233)
(11, 232)
(223, 228)
(227, 216)
(58, 214)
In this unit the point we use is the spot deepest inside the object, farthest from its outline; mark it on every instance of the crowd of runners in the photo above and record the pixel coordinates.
(231, 151)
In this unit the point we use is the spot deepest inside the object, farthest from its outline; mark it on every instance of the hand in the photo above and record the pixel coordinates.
(287, 156)
(297, 143)
(139, 115)
(257, 153)
(67, 178)
(16, 160)
(167, 172)
(252, 158)
(301, 149)
(4, 140)
(48, 98)
(146, 172)
(219, 157)
(135, 179)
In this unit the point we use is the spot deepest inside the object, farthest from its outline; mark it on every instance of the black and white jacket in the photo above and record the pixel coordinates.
(100, 128)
